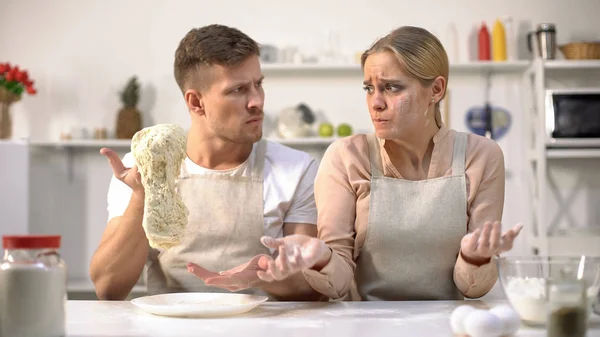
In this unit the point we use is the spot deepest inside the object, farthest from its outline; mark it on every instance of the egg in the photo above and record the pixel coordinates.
(457, 318)
(509, 318)
(482, 323)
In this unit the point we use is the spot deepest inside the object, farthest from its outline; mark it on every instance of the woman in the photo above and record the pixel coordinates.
(396, 207)
(412, 212)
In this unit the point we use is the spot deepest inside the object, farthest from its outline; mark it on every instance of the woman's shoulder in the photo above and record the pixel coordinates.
(481, 151)
(355, 144)
(348, 151)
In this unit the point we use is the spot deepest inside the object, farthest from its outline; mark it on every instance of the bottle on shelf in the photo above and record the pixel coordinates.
(484, 43)
(451, 43)
(511, 39)
(498, 42)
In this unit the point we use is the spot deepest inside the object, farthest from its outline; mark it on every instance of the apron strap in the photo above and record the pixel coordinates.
(459, 155)
(259, 159)
(375, 155)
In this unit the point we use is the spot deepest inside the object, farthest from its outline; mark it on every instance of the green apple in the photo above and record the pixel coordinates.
(344, 130)
(326, 130)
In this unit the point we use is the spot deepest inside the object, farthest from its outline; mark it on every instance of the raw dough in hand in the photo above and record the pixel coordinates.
(159, 151)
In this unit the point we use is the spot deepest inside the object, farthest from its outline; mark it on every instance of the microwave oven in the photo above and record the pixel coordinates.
(573, 117)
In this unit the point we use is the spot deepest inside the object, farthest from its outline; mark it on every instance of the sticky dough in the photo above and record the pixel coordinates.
(159, 151)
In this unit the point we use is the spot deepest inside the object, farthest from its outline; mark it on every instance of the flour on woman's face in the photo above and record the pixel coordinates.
(409, 115)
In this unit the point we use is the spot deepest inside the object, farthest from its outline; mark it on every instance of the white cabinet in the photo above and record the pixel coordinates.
(14, 187)
(563, 183)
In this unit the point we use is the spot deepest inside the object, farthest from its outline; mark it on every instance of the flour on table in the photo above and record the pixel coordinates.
(159, 151)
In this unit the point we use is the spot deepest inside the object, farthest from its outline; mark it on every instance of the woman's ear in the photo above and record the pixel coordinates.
(194, 101)
(438, 88)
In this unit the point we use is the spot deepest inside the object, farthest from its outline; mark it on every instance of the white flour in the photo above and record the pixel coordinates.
(32, 301)
(528, 297)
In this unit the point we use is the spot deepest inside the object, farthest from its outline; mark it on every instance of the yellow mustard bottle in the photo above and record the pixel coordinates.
(498, 42)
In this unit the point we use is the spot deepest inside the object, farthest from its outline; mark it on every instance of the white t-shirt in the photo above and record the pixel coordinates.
(288, 184)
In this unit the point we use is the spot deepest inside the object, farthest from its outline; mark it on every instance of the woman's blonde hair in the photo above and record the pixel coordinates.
(420, 53)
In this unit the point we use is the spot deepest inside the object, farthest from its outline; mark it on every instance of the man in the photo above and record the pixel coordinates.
(236, 186)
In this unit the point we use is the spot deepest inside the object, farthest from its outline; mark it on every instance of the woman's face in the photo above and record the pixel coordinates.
(398, 104)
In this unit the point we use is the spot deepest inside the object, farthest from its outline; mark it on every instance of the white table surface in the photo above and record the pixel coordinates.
(332, 319)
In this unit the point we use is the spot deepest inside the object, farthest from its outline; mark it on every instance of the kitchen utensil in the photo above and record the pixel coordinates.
(525, 280)
(542, 41)
(489, 119)
(295, 121)
(198, 304)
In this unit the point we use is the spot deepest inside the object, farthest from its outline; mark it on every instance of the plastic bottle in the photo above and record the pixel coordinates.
(511, 40)
(451, 43)
(498, 42)
(484, 43)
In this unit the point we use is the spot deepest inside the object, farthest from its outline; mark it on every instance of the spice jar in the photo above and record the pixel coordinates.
(567, 308)
(33, 282)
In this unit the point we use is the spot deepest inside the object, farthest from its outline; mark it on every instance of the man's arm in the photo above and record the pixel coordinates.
(119, 260)
(295, 287)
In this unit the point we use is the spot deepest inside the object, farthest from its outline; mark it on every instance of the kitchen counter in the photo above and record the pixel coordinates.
(332, 319)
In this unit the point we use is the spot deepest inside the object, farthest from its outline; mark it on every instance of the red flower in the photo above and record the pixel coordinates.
(22, 76)
(4, 67)
(31, 90)
(9, 76)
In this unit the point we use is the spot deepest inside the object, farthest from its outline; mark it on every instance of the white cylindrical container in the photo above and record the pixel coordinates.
(511, 38)
(33, 282)
(451, 44)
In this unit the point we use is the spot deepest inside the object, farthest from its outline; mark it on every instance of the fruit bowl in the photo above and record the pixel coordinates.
(524, 281)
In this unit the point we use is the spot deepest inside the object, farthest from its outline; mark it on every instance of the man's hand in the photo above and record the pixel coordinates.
(235, 279)
(130, 176)
(479, 247)
(296, 253)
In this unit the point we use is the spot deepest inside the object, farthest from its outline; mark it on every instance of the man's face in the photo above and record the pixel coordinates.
(234, 100)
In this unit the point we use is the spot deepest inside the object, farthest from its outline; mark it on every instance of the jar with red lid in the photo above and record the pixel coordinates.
(33, 287)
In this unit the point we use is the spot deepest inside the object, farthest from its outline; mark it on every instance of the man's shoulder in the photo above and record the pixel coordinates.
(285, 157)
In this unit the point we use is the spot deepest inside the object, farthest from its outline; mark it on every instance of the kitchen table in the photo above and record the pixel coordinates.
(291, 319)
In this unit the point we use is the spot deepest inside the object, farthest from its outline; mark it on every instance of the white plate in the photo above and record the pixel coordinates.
(198, 304)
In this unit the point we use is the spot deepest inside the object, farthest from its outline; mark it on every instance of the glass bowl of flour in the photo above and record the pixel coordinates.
(524, 281)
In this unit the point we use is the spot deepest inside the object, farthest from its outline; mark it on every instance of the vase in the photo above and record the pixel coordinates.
(6, 99)
(5, 121)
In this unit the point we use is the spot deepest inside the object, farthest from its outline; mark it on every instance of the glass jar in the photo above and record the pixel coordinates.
(33, 287)
(567, 308)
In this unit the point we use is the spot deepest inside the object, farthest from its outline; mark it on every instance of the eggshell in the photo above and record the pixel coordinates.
(457, 318)
(482, 323)
(509, 318)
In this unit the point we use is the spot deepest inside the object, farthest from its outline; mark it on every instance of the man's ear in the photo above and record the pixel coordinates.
(194, 101)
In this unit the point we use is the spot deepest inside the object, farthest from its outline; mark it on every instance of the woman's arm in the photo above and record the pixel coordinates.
(486, 175)
(336, 206)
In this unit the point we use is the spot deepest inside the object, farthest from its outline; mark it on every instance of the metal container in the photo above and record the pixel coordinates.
(542, 41)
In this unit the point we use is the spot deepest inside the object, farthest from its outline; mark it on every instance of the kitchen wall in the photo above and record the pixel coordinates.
(81, 53)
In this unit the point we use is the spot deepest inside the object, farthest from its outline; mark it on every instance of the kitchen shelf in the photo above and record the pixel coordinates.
(572, 153)
(125, 143)
(572, 64)
(84, 143)
(477, 66)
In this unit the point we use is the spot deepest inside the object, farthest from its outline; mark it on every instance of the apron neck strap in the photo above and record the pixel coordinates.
(375, 155)
(459, 154)
(259, 158)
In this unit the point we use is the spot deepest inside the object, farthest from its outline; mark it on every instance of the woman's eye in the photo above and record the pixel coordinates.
(392, 87)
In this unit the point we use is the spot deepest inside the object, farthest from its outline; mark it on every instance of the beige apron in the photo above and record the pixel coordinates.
(414, 233)
(225, 224)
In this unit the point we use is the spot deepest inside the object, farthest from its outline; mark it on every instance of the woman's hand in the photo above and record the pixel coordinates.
(479, 247)
(296, 253)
